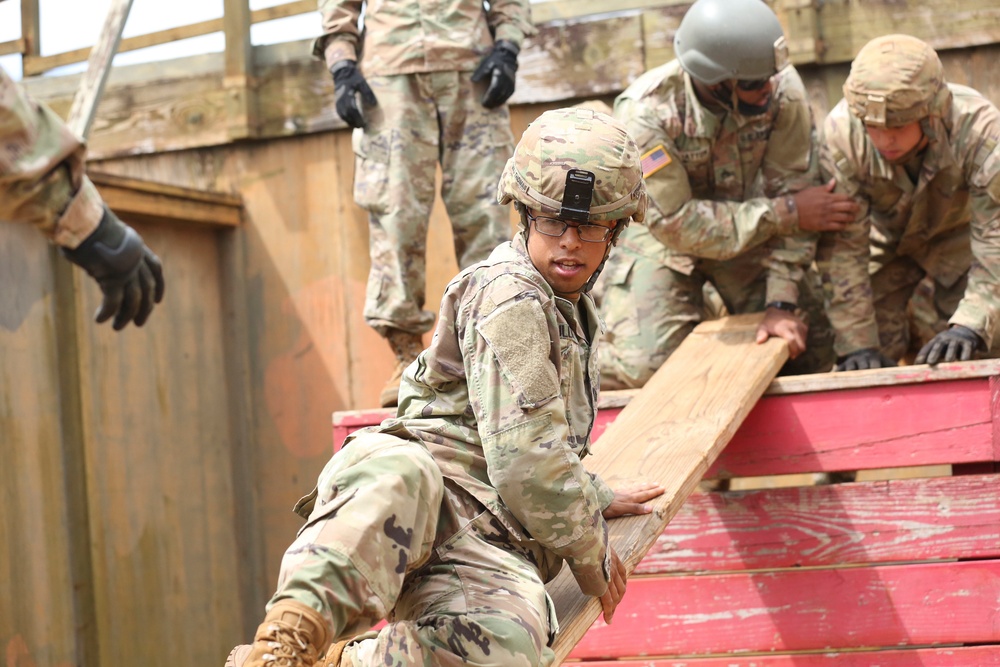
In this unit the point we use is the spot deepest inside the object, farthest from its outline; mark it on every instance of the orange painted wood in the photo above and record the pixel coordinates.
(872, 522)
(967, 656)
(802, 610)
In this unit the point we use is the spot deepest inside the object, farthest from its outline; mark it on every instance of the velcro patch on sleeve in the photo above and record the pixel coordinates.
(654, 160)
(518, 335)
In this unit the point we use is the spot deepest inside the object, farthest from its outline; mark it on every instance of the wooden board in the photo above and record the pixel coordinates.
(979, 656)
(670, 433)
(814, 526)
(803, 610)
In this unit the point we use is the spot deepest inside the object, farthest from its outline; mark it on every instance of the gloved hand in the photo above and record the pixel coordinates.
(501, 65)
(956, 343)
(347, 83)
(129, 274)
(864, 359)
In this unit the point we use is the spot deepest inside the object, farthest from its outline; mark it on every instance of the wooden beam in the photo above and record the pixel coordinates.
(81, 114)
(136, 200)
(562, 10)
(30, 28)
(671, 433)
(238, 73)
(38, 64)
(13, 46)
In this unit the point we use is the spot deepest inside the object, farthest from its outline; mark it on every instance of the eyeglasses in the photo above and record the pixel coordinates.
(556, 227)
(753, 84)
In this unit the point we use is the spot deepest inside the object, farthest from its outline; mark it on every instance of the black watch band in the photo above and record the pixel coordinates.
(782, 305)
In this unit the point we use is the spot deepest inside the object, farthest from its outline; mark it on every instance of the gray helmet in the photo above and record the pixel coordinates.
(730, 39)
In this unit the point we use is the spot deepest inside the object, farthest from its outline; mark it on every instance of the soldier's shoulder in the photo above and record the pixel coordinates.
(655, 84)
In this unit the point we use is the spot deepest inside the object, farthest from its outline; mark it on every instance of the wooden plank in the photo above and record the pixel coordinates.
(12, 46)
(846, 25)
(803, 610)
(980, 656)
(869, 522)
(904, 425)
(30, 31)
(81, 113)
(46, 611)
(134, 199)
(35, 64)
(562, 10)
(670, 433)
(241, 106)
(157, 449)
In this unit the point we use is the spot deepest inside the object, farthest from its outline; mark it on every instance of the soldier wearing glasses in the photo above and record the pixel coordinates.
(731, 166)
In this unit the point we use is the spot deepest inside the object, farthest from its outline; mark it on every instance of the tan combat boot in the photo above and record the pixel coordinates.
(292, 635)
(405, 346)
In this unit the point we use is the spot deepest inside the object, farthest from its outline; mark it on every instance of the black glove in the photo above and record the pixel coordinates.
(863, 359)
(347, 83)
(130, 275)
(954, 344)
(501, 65)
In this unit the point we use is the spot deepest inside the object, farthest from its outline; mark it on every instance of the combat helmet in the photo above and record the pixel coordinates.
(719, 40)
(896, 80)
(576, 164)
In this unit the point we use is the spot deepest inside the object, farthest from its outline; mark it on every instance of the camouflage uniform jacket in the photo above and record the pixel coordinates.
(958, 184)
(42, 179)
(505, 399)
(409, 36)
(705, 183)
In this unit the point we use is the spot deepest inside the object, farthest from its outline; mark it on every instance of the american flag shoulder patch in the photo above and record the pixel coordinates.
(654, 160)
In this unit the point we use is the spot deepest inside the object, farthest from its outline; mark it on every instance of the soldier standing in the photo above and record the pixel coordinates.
(921, 158)
(43, 182)
(449, 519)
(728, 157)
(436, 77)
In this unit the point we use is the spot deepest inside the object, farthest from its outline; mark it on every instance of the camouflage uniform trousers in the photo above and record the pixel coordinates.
(388, 537)
(910, 307)
(422, 120)
(650, 309)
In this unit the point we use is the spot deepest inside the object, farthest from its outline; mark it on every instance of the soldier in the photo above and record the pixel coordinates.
(727, 139)
(423, 100)
(921, 158)
(448, 520)
(43, 182)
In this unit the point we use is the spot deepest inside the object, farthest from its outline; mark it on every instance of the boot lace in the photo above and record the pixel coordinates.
(288, 648)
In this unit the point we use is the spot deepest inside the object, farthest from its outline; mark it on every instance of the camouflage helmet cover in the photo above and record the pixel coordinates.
(895, 80)
(576, 138)
(719, 40)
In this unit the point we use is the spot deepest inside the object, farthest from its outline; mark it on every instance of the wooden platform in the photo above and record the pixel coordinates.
(889, 573)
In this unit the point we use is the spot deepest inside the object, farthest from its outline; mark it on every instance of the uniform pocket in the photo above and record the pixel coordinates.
(372, 154)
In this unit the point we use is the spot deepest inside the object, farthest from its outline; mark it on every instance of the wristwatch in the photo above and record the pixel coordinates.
(783, 305)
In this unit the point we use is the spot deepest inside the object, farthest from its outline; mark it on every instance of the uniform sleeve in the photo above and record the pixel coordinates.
(979, 308)
(341, 34)
(842, 257)
(791, 164)
(510, 20)
(42, 179)
(511, 352)
(705, 228)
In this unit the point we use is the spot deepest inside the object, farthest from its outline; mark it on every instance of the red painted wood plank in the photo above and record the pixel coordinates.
(995, 408)
(969, 656)
(869, 522)
(802, 610)
(860, 429)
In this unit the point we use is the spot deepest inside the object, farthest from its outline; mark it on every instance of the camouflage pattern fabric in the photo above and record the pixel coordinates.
(42, 178)
(945, 224)
(449, 518)
(408, 36)
(421, 119)
(717, 213)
